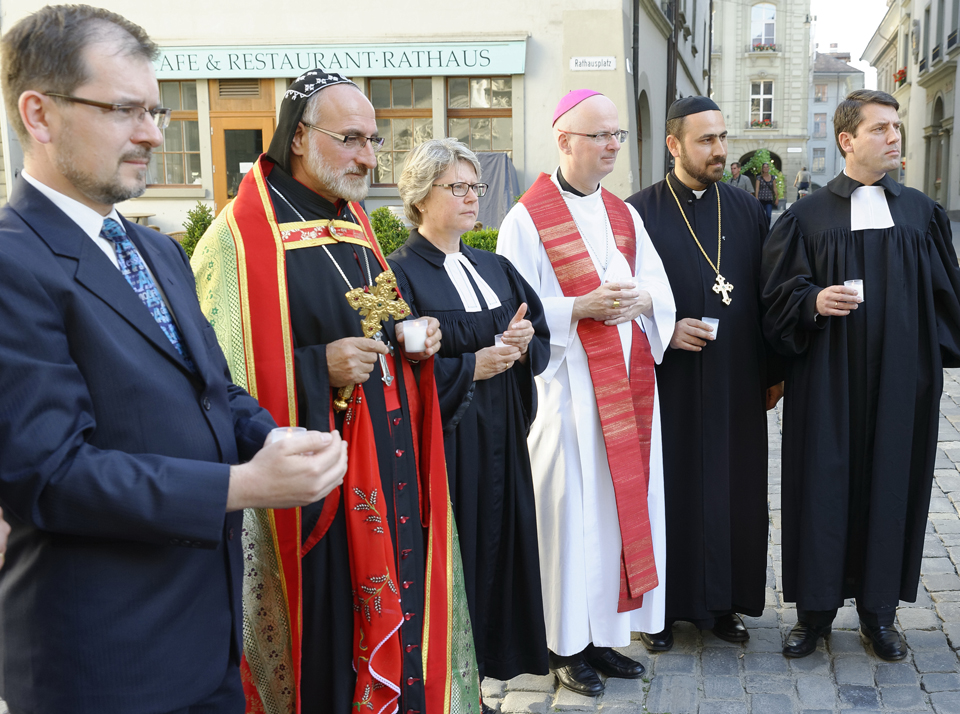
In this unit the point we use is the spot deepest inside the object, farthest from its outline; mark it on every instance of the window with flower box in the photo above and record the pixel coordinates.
(761, 104)
(763, 26)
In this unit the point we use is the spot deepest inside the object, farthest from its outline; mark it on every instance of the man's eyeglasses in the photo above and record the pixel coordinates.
(354, 142)
(460, 188)
(604, 137)
(133, 113)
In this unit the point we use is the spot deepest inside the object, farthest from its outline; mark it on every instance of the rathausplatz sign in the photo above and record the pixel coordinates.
(386, 60)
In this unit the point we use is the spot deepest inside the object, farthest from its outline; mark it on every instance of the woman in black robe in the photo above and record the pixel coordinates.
(487, 400)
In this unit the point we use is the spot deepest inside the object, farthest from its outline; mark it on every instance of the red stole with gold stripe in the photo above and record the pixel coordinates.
(268, 345)
(625, 403)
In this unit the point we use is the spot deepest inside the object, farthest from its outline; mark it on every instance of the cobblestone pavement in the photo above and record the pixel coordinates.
(705, 675)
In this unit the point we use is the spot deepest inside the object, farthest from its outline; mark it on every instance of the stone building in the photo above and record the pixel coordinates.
(915, 50)
(761, 78)
(833, 79)
(489, 73)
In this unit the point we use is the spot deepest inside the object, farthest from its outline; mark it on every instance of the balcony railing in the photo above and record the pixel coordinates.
(951, 39)
(935, 55)
(923, 64)
(763, 48)
(761, 124)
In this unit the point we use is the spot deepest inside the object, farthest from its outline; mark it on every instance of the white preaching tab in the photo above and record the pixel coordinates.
(454, 264)
(869, 209)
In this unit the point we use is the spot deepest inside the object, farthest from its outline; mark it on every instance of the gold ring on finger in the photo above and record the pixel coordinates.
(616, 304)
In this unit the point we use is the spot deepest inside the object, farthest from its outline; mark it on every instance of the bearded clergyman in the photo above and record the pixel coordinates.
(355, 603)
(714, 381)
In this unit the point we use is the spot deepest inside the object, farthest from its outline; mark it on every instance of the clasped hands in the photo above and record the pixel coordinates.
(351, 359)
(613, 304)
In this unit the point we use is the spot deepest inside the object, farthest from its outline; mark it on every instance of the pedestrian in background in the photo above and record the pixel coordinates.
(766, 190)
(738, 180)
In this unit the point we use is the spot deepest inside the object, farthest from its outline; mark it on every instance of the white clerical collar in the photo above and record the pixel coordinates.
(869, 208)
(454, 264)
(699, 194)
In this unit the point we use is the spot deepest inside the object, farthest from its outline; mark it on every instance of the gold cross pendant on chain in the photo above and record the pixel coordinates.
(722, 286)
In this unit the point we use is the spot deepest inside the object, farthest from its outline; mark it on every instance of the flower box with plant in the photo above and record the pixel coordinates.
(761, 124)
(900, 76)
(764, 48)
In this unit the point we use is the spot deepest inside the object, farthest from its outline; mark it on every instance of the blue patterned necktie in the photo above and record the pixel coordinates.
(134, 270)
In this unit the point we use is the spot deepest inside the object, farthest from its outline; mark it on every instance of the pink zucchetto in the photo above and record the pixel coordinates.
(570, 100)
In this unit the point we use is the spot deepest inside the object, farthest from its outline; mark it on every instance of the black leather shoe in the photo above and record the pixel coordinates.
(802, 639)
(887, 641)
(611, 663)
(577, 676)
(730, 628)
(659, 641)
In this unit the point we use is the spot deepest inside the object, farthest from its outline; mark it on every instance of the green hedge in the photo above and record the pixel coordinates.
(391, 233)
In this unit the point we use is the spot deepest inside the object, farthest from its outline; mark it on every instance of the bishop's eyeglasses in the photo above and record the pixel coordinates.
(603, 137)
(134, 113)
(354, 142)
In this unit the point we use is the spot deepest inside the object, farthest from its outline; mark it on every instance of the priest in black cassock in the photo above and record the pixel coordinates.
(714, 381)
(488, 399)
(863, 379)
(357, 602)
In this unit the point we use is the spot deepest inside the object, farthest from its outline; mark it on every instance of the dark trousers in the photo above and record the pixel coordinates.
(823, 618)
(227, 699)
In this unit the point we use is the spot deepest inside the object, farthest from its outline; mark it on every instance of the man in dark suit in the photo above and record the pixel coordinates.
(118, 420)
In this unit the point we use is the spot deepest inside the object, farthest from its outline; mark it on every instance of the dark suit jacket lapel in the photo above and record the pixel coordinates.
(180, 297)
(94, 270)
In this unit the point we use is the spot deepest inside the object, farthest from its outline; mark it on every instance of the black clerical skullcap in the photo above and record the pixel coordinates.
(691, 105)
(291, 110)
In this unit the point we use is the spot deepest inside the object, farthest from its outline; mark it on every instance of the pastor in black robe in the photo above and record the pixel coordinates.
(319, 315)
(713, 405)
(485, 425)
(862, 396)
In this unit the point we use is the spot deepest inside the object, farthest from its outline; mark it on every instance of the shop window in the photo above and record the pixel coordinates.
(761, 103)
(819, 126)
(480, 112)
(176, 162)
(404, 119)
(819, 164)
(819, 93)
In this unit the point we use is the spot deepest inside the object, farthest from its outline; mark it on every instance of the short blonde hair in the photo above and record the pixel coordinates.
(424, 165)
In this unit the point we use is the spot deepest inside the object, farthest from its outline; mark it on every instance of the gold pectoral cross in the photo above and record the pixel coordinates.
(722, 286)
(375, 306)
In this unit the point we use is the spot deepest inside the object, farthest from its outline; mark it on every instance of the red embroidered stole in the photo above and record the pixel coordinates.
(268, 345)
(625, 404)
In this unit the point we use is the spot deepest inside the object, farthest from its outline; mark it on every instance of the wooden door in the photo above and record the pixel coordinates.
(237, 144)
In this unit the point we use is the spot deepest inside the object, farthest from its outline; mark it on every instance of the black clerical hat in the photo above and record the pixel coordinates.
(691, 105)
(291, 110)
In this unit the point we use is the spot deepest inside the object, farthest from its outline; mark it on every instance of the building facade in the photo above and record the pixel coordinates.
(489, 74)
(833, 79)
(915, 50)
(761, 78)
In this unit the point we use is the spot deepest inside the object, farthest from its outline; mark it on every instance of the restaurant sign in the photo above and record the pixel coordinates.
(368, 60)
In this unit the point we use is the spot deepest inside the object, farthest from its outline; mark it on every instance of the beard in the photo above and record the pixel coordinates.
(106, 192)
(703, 174)
(349, 184)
